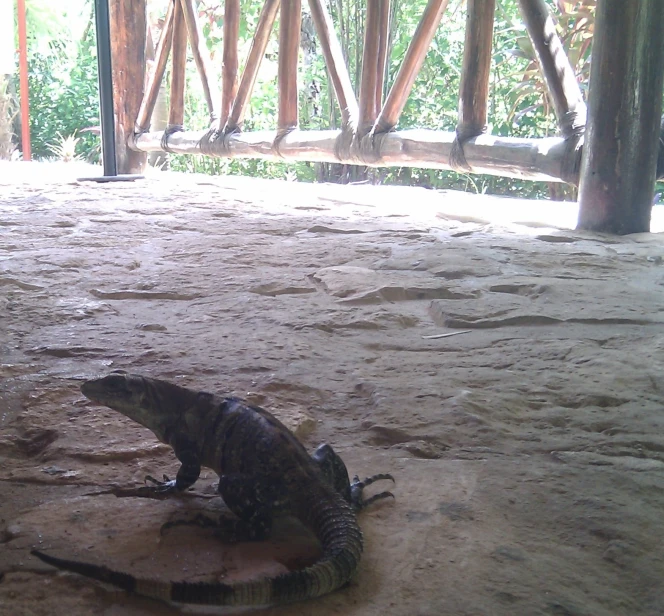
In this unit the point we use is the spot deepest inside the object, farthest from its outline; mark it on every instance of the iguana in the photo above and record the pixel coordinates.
(263, 471)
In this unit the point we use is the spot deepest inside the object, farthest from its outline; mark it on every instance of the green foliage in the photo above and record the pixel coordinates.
(62, 75)
(303, 172)
(64, 86)
(64, 98)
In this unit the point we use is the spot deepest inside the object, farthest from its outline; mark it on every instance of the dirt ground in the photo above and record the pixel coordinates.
(528, 449)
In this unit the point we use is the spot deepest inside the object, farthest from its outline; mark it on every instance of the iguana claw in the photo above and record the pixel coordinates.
(357, 486)
(165, 486)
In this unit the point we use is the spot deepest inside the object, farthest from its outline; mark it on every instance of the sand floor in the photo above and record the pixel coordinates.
(528, 451)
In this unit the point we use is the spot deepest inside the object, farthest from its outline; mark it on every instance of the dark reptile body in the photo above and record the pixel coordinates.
(264, 471)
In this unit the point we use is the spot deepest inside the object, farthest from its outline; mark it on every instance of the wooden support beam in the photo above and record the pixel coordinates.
(369, 80)
(179, 58)
(335, 62)
(530, 159)
(156, 74)
(230, 61)
(128, 28)
(26, 145)
(625, 102)
(201, 55)
(412, 63)
(256, 53)
(558, 73)
(474, 90)
(289, 50)
(384, 27)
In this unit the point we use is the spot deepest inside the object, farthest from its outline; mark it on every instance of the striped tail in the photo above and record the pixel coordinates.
(331, 519)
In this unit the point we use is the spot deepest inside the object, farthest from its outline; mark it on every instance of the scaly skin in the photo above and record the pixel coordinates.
(264, 471)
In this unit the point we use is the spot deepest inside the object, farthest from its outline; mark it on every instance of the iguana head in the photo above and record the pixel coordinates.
(132, 395)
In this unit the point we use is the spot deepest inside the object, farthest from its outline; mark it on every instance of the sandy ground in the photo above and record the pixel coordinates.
(528, 451)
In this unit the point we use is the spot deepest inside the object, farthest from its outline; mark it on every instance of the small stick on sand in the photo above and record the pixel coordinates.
(447, 335)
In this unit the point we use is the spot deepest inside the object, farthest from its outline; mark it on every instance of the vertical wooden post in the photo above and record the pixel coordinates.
(625, 102)
(128, 28)
(26, 146)
(384, 27)
(230, 61)
(179, 57)
(369, 79)
(474, 91)
(289, 49)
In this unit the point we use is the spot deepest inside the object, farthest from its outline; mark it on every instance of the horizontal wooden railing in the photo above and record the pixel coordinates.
(368, 135)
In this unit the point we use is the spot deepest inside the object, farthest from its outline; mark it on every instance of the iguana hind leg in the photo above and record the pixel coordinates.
(335, 473)
(254, 500)
(226, 529)
(358, 486)
(333, 468)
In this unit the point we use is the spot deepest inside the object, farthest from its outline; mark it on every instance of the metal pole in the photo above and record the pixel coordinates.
(103, 28)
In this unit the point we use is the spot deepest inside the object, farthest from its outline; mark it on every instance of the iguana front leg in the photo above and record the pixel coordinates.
(253, 500)
(187, 475)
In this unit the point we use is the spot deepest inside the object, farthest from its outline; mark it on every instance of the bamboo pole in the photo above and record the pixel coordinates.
(256, 53)
(26, 146)
(200, 53)
(230, 61)
(289, 49)
(531, 159)
(412, 63)
(157, 118)
(384, 26)
(179, 59)
(474, 90)
(369, 79)
(156, 74)
(621, 143)
(335, 62)
(558, 73)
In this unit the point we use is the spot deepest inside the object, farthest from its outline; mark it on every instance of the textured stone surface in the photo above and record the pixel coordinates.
(528, 452)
